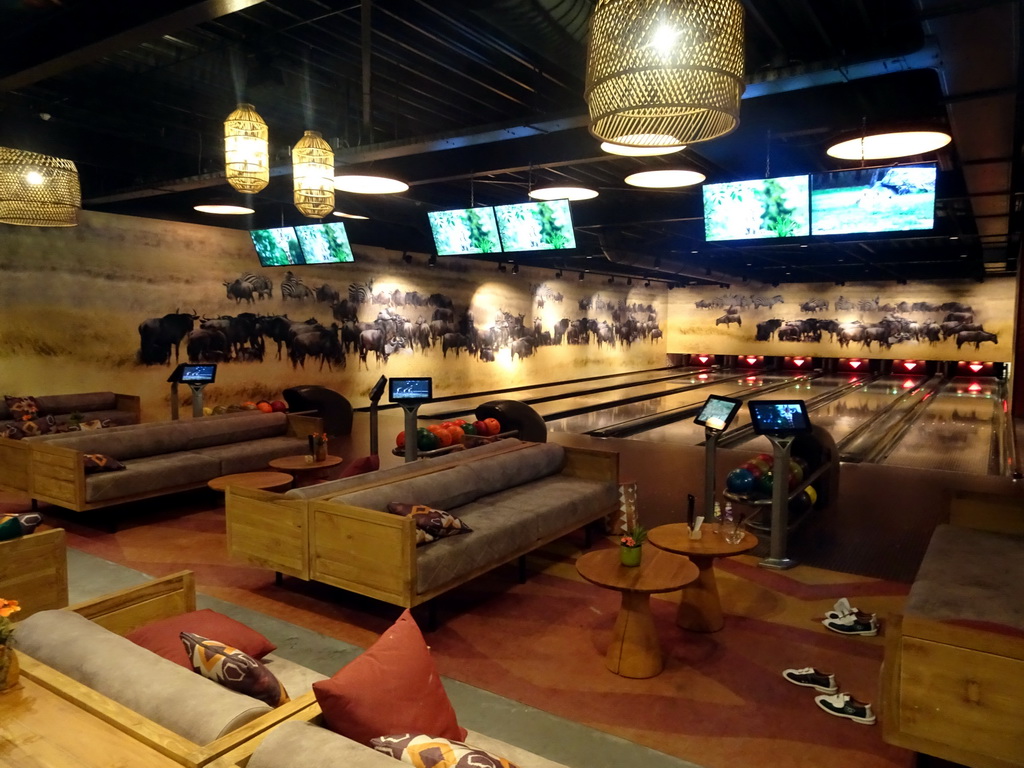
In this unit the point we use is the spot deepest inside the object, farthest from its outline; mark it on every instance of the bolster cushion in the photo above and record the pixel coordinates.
(188, 704)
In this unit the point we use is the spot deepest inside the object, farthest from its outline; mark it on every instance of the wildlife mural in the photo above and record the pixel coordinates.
(127, 298)
(947, 320)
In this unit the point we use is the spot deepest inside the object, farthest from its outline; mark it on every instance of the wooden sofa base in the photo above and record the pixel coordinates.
(954, 692)
(34, 571)
(121, 612)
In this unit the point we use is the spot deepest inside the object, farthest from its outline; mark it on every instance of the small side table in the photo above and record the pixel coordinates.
(266, 481)
(700, 609)
(635, 650)
(302, 471)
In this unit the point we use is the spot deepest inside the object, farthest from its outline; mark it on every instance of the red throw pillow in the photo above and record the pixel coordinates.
(360, 466)
(163, 637)
(392, 687)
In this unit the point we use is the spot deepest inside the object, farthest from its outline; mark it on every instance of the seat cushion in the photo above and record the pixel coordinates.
(239, 427)
(151, 474)
(82, 402)
(252, 455)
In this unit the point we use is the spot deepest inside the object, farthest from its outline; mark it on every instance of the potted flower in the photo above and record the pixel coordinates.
(631, 545)
(8, 661)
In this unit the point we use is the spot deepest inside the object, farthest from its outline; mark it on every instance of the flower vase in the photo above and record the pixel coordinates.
(9, 669)
(630, 556)
(320, 452)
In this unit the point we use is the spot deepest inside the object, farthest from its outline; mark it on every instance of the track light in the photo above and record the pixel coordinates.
(432, 261)
(647, 284)
(515, 269)
(611, 279)
(558, 275)
(502, 268)
(629, 281)
(407, 257)
(581, 277)
(671, 286)
(775, 283)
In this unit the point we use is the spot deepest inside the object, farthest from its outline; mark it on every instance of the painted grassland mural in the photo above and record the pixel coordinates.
(114, 303)
(940, 320)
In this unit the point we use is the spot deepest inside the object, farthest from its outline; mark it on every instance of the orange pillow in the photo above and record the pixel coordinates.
(392, 687)
(163, 637)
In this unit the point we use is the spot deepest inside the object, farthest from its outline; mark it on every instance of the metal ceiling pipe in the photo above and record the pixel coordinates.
(366, 30)
(661, 265)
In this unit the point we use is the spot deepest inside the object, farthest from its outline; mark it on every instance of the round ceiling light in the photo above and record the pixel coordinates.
(344, 215)
(885, 145)
(665, 179)
(369, 185)
(642, 145)
(563, 193)
(224, 209)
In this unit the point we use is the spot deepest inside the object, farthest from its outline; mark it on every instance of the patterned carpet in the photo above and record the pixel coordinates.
(720, 702)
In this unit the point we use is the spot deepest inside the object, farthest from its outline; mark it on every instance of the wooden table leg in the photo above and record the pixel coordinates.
(700, 609)
(635, 650)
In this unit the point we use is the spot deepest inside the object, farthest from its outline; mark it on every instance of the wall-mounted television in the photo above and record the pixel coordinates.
(759, 208)
(540, 226)
(325, 243)
(464, 231)
(896, 199)
(277, 247)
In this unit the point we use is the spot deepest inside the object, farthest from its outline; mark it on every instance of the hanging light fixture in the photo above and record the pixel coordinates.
(313, 175)
(666, 178)
(38, 190)
(246, 150)
(881, 146)
(563, 193)
(639, 146)
(662, 73)
(369, 185)
(223, 209)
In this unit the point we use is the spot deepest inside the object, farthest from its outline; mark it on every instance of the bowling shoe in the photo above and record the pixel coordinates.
(853, 625)
(844, 705)
(843, 608)
(809, 677)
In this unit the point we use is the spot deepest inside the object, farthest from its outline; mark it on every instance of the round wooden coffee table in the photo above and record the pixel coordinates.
(297, 464)
(700, 609)
(635, 650)
(266, 481)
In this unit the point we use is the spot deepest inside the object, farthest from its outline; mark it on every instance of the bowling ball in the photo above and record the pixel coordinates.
(207, 411)
(796, 473)
(400, 440)
(740, 480)
(766, 482)
(481, 428)
(493, 426)
(469, 429)
(279, 406)
(444, 437)
(767, 458)
(456, 432)
(264, 406)
(754, 469)
(763, 466)
(800, 503)
(809, 490)
(426, 440)
(219, 410)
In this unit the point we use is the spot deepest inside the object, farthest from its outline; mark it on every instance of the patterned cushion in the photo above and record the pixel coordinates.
(162, 637)
(392, 687)
(33, 427)
(233, 669)
(420, 750)
(94, 424)
(98, 462)
(20, 407)
(12, 432)
(431, 524)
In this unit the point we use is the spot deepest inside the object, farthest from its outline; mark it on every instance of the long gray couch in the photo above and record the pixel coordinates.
(515, 500)
(161, 458)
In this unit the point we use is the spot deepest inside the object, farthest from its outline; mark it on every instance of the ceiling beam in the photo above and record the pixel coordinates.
(152, 29)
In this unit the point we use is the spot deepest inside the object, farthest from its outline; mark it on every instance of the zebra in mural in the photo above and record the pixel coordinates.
(262, 286)
(360, 293)
(292, 287)
(766, 301)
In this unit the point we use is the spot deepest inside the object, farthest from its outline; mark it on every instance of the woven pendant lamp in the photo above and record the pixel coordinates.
(246, 150)
(662, 73)
(38, 190)
(313, 175)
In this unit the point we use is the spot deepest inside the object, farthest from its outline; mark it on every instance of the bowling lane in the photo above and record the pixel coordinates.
(711, 383)
(687, 433)
(957, 431)
(449, 409)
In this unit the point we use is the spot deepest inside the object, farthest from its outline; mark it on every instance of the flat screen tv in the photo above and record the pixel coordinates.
(325, 243)
(756, 209)
(895, 199)
(717, 412)
(464, 231)
(419, 389)
(779, 418)
(277, 247)
(540, 226)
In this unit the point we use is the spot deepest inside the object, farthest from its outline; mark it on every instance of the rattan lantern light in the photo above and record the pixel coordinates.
(38, 190)
(662, 73)
(313, 175)
(246, 150)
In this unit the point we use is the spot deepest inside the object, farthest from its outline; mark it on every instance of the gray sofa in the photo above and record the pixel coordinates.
(516, 497)
(160, 458)
(109, 408)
